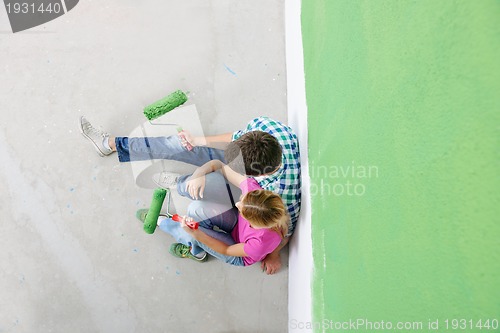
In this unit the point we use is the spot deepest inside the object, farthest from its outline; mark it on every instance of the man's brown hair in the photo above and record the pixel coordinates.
(255, 153)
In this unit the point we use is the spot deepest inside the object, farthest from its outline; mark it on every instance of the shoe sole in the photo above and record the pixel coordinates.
(90, 139)
(200, 259)
(197, 259)
(139, 216)
(142, 221)
(156, 180)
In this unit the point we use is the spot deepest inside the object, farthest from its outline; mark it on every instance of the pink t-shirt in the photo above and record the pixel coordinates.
(258, 242)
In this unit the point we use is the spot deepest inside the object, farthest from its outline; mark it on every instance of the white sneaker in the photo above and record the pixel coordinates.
(95, 136)
(166, 180)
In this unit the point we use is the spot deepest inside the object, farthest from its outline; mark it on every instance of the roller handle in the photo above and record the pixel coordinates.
(192, 225)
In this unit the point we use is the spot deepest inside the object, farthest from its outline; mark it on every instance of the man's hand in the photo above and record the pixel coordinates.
(271, 264)
(195, 186)
(187, 139)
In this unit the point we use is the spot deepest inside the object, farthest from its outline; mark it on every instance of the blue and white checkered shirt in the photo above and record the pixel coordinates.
(286, 180)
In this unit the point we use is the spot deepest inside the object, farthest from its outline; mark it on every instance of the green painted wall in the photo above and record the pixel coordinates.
(408, 89)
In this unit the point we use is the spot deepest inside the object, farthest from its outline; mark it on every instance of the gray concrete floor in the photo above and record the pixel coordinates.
(73, 258)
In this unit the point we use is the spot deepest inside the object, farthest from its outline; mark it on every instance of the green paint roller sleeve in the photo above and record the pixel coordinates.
(154, 210)
(165, 105)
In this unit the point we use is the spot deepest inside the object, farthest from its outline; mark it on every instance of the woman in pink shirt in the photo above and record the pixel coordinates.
(244, 234)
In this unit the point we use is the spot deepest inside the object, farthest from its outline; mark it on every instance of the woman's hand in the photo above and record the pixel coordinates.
(196, 186)
(184, 224)
(271, 264)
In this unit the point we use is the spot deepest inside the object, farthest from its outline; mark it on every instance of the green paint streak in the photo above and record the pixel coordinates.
(411, 88)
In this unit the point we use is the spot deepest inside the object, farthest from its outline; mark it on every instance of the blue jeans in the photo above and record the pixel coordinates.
(213, 210)
(165, 147)
(170, 148)
(209, 216)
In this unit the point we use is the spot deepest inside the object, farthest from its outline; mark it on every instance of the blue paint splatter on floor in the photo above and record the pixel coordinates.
(177, 272)
(16, 323)
(135, 250)
(229, 70)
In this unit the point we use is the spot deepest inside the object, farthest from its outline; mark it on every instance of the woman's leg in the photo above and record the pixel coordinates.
(211, 215)
(181, 236)
(236, 261)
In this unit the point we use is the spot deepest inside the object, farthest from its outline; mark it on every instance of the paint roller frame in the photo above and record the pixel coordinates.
(165, 105)
(151, 221)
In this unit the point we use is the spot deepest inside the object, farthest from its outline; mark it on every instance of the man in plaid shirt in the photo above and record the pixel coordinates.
(285, 181)
(261, 143)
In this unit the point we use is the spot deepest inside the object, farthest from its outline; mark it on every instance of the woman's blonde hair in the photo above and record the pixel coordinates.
(265, 209)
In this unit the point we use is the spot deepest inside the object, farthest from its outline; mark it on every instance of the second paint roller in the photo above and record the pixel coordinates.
(151, 220)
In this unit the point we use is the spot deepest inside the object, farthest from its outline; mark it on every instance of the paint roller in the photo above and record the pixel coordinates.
(151, 220)
(154, 210)
(164, 105)
(153, 111)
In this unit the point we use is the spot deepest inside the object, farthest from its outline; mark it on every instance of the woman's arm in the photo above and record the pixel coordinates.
(196, 183)
(234, 177)
(235, 250)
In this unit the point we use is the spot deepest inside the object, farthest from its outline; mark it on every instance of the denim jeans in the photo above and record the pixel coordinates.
(209, 216)
(165, 147)
(216, 208)
(170, 148)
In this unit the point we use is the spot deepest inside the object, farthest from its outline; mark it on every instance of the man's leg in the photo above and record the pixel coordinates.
(168, 148)
(147, 148)
(217, 190)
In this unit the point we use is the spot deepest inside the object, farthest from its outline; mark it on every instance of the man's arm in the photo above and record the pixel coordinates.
(219, 141)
